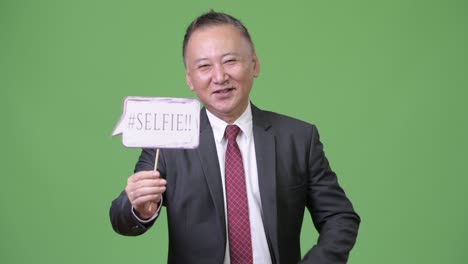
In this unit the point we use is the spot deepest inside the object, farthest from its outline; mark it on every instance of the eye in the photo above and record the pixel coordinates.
(230, 61)
(203, 66)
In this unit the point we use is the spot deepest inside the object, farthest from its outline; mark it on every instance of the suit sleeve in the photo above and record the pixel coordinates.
(332, 212)
(122, 219)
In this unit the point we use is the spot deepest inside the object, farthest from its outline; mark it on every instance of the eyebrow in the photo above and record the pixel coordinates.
(230, 53)
(222, 56)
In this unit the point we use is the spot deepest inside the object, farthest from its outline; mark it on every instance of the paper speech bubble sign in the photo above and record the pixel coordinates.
(155, 122)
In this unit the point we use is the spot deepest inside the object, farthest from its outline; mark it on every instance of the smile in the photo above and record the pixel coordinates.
(223, 91)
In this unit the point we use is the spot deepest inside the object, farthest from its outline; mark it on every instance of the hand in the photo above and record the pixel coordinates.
(144, 190)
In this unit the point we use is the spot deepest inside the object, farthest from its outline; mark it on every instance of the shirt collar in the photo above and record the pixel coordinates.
(244, 122)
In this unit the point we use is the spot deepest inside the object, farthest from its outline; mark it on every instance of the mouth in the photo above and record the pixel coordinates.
(224, 91)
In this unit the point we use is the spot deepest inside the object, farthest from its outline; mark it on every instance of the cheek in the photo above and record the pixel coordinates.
(242, 74)
(200, 81)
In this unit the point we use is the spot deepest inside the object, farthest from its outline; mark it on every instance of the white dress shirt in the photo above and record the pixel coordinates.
(245, 140)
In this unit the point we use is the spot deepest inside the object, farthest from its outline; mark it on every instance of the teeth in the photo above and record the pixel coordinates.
(224, 90)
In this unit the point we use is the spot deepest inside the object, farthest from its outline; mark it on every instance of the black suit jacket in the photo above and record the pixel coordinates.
(293, 174)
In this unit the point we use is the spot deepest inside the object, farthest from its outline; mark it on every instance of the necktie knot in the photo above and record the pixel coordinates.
(231, 132)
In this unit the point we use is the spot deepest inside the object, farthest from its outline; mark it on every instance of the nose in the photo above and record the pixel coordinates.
(219, 75)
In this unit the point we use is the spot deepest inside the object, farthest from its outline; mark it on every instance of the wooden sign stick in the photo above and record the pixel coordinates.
(150, 205)
(156, 160)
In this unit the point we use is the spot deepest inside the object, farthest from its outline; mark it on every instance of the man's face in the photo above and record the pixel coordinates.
(220, 67)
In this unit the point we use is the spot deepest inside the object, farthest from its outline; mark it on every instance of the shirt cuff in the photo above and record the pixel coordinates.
(152, 218)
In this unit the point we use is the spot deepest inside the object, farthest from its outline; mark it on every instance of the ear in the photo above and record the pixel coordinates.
(188, 81)
(256, 65)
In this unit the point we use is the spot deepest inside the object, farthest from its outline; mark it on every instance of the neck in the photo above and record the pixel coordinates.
(229, 118)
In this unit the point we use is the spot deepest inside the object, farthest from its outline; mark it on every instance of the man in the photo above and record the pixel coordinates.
(280, 169)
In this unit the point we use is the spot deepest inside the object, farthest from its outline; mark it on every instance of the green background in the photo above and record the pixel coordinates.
(385, 82)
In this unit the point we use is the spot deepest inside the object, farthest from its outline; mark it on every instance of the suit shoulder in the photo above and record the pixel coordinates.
(287, 127)
(288, 122)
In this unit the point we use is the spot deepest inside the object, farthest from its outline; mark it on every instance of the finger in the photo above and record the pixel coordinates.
(134, 195)
(140, 202)
(134, 186)
(150, 183)
(141, 175)
(148, 191)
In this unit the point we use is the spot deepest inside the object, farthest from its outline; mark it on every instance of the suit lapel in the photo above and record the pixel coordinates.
(265, 150)
(209, 161)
